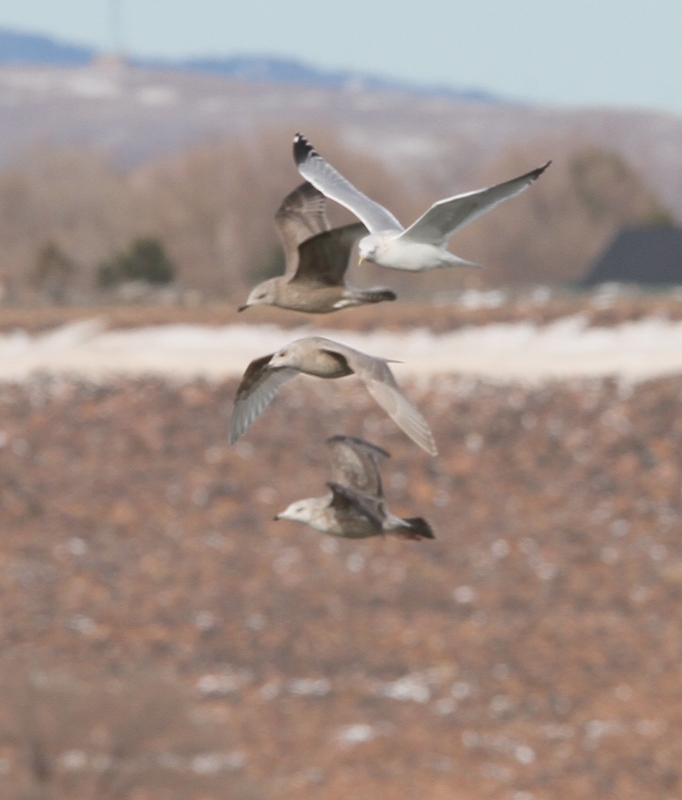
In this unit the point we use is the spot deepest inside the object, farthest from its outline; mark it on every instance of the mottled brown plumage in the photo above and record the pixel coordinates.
(316, 258)
(355, 507)
(324, 358)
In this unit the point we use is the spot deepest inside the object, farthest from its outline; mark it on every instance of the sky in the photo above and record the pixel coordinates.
(623, 53)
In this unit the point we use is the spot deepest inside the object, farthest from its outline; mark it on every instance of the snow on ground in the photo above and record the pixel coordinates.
(567, 348)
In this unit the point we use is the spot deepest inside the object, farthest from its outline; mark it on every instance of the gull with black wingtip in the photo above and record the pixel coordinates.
(421, 246)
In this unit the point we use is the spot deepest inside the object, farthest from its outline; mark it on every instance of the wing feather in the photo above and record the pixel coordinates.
(449, 215)
(323, 259)
(301, 215)
(355, 464)
(349, 505)
(381, 384)
(255, 393)
(332, 184)
(403, 413)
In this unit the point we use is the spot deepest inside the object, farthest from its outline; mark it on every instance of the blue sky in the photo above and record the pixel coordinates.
(575, 52)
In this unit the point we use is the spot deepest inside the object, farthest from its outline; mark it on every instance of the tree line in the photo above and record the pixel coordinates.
(72, 222)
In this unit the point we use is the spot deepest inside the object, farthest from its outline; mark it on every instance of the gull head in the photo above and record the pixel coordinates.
(264, 294)
(370, 247)
(288, 356)
(303, 510)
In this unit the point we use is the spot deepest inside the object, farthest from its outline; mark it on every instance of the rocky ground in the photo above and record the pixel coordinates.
(163, 637)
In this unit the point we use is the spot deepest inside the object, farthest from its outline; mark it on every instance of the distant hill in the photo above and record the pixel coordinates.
(24, 48)
(278, 70)
(27, 48)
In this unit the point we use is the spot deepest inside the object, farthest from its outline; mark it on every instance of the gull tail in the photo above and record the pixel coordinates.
(419, 528)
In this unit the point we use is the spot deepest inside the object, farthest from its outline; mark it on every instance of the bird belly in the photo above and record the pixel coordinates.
(411, 256)
(313, 300)
(324, 365)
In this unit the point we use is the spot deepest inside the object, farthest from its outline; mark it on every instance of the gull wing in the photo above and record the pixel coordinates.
(381, 384)
(355, 464)
(323, 259)
(255, 393)
(302, 214)
(349, 506)
(332, 184)
(449, 215)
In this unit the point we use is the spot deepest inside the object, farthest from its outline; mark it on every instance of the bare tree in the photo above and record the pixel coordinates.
(212, 207)
(54, 273)
(551, 233)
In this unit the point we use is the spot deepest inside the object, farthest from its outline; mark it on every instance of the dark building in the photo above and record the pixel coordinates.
(647, 255)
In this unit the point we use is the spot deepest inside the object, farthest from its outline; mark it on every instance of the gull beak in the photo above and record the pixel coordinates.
(360, 260)
(275, 518)
(242, 308)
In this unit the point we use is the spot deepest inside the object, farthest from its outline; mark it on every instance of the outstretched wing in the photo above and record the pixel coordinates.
(332, 184)
(403, 413)
(323, 259)
(302, 215)
(256, 390)
(449, 215)
(382, 386)
(355, 464)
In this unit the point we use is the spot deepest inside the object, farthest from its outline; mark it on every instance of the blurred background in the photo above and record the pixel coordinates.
(161, 636)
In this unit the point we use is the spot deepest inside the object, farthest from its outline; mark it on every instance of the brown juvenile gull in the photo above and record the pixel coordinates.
(421, 246)
(355, 506)
(316, 258)
(324, 358)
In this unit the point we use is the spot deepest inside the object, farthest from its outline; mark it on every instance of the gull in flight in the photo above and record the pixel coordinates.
(324, 358)
(316, 258)
(421, 246)
(355, 506)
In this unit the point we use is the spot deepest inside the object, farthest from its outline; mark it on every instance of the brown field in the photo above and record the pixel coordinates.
(162, 637)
